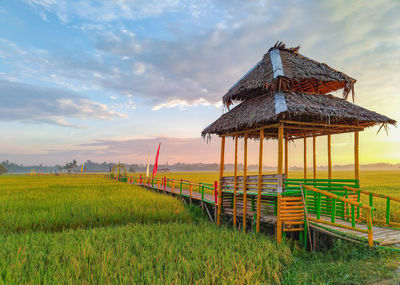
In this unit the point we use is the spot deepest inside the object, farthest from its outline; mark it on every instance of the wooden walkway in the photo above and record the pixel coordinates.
(186, 193)
(383, 236)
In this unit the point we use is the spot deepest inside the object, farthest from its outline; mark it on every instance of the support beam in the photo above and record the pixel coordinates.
(221, 174)
(255, 130)
(280, 172)
(314, 140)
(356, 156)
(305, 157)
(260, 168)
(280, 150)
(329, 157)
(245, 183)
(235, 181)
(287, 156)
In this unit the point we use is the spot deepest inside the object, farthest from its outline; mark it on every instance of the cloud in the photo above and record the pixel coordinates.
(31, 103)
(209, 45)
(103, 11)
(172, 149)
(182, 104)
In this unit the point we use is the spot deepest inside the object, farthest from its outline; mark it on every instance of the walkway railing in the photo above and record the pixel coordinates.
(333, 200)
(383, 199)
(205, 192)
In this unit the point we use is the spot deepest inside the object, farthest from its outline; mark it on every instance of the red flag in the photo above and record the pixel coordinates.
(156, 163)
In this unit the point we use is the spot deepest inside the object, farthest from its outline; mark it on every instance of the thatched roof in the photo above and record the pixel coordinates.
(275, 107)
(284, 69)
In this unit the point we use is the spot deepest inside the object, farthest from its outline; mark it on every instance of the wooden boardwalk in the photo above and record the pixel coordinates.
(382, 235)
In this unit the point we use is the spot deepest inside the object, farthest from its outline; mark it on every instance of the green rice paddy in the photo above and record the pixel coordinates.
(58, 229)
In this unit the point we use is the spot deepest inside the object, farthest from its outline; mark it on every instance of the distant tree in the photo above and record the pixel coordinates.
(71, 165)
(132, 169)
(3, 169)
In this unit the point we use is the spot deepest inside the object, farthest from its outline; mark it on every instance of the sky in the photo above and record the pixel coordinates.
(109, 80)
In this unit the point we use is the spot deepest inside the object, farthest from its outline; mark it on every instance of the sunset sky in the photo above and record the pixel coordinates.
(108, 80)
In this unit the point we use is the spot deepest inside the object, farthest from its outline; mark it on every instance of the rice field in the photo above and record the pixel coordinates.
(92, 230)
(49, 203)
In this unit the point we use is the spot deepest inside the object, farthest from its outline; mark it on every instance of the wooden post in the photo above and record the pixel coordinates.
(245, 183)
(369, 227)
(221, 174)
(280, 164)
(329, 157)
(260, 169)
(356, 156)
(280, 150)
(190, 191)
(305, 157)
(314, 140)
(287, 156)
(235, 181)
(215, 200)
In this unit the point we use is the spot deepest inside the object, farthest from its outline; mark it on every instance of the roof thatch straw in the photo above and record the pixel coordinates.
(274, 107)
(284, 69)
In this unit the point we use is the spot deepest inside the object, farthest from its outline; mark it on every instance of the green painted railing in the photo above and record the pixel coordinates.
(386, 200)
(335, 199)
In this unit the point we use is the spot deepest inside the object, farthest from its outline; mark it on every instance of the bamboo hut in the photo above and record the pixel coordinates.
(285, 96)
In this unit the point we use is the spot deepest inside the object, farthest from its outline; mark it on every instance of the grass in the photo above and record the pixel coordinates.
(49, 203)
(142, 253)
(345, 263)
(92, 230)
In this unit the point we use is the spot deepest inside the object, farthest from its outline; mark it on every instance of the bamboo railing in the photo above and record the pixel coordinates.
(353, 204)
(176, 186)
(388, 201)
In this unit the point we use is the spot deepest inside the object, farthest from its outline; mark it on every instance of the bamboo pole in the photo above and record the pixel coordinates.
(280, 149)
(314, 157)
(329, 157)
(323, 125)
(245, 183)
(370, 230)
(280, 166)
(287, 156)
(260, 167)
(305, 157)
(221, 174)
(235, 181)
(356, 156)
(190, 192)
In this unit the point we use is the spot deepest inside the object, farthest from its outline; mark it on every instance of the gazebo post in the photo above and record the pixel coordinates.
(329, 157)
(260, 168)
(356, 157)
(280, 164)
(245, 183)
(235, 181)
(314, 157)
(286, 156)
(305, 156)
(221, 174)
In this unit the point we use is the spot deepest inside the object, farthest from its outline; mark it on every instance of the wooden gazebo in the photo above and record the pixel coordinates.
(285, 97)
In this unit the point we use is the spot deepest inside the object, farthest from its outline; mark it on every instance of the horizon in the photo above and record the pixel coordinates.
(109, 81)
(319, 167)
